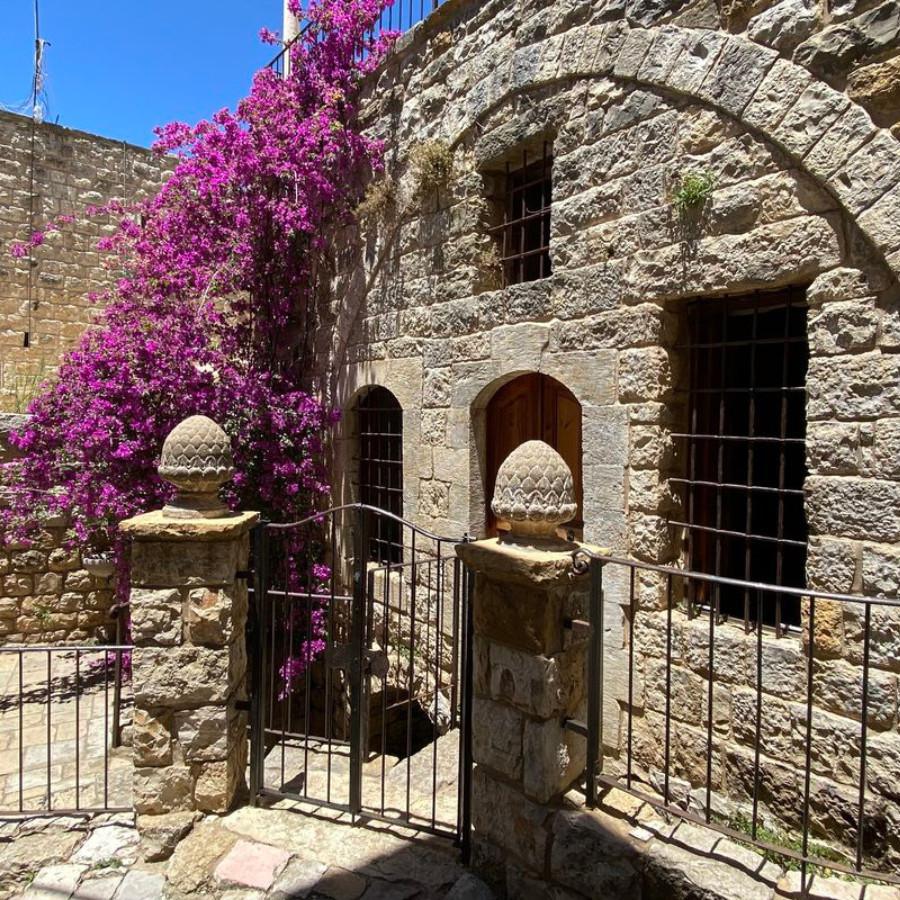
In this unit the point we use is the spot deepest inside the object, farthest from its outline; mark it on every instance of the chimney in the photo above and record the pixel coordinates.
(290, 30)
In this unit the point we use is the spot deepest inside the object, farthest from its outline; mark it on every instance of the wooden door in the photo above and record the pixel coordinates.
(533, 407)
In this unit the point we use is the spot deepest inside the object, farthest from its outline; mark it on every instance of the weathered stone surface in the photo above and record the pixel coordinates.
(156, 616)
(784, 25)
(537, 685)
(593, 856)
(163, 789)
(201, 562)
(854, 508)
(877, 88)
(553, 759)
(194, 857)
(835, 49)
(251, 865)
(497, 738)
(152, 737)
(111, 842)
(184, 676)
(218, 783)
(207, 733)
(212, 615)
(161, 834)
(140, 885)
(503, 815)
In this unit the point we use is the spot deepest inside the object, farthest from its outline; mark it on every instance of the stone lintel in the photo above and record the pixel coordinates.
(154, 526)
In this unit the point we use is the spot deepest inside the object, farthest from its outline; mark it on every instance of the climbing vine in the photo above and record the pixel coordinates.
(213, 308)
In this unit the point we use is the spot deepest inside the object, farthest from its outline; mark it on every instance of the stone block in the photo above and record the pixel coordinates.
(553, 759)
(156, 617)
(163, 789)
(592, 855)
(207, 733)
(152, 737)
(849, 327)
(529, 620)
(212, 616)
(497, 738)
(537, 685)
(218, 783)
(181, 677)
(505, 817)
(160, 834)
(193, 564)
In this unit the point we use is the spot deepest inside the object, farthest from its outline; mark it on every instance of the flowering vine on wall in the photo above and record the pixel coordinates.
(215, 308)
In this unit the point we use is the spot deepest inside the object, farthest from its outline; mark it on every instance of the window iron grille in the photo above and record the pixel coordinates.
(380, 421)
(524, 235)
(744, 452)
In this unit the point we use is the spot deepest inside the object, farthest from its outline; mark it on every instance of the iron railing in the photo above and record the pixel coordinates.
(689, 785)
(374, 719)
(399, 17)
(60, 721)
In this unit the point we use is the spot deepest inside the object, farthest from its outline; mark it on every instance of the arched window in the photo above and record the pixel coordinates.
(380, 430)
(533, 407)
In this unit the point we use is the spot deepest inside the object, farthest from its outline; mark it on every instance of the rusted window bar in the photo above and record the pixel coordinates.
(727, 394)
(661, 797)
(380, 420)
(524, 233)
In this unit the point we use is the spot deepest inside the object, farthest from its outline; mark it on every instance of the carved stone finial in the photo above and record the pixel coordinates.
(534, 492)
(196, 458)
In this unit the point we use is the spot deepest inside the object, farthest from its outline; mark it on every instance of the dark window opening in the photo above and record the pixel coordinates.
(523, 238)
(745, 457)
(380, 421)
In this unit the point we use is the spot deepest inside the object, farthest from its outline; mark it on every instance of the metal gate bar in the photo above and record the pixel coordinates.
(341, 647)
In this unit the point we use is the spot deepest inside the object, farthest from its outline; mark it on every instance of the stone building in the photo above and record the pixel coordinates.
(45, 305)
(662, 237)
(45, 301)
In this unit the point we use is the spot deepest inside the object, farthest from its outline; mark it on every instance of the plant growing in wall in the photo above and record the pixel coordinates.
(215, 311)
(432, 167)
(692, 191)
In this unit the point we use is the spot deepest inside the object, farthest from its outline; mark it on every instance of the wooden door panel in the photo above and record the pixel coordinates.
(532, 407)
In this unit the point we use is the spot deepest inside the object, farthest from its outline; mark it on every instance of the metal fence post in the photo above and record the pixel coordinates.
(357, 627)
(259, 660)
(594, 764)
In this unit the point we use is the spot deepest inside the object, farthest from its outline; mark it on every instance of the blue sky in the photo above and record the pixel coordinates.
(120, 68)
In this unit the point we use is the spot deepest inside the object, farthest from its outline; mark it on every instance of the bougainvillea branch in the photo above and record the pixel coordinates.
(214, 307)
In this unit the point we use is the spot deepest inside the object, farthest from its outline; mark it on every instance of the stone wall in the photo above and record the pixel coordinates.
(806, 194)
(65, 172)
(46, 595)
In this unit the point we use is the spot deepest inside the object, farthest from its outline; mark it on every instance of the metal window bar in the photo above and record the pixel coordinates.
(743, 490)
(388, 626)
(380, 429)
(57, 706)
(524, 234)
(855, 847)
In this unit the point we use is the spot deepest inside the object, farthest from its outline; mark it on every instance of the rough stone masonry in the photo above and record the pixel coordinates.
(791, 109)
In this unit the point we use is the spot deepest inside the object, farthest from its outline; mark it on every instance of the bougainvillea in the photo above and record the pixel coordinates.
(214, 308)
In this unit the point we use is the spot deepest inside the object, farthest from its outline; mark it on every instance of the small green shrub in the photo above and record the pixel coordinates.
(692, 191)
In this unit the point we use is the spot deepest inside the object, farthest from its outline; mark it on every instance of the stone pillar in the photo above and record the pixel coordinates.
(529, 669)
(188, 617)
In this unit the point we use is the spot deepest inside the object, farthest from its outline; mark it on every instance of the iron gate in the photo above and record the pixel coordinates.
(361, 669)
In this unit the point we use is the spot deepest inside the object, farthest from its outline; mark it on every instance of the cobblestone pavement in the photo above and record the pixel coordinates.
(62, 700)
(253, 853)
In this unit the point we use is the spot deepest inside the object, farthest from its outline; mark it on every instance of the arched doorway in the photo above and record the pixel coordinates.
(379, 420)
(532, 407)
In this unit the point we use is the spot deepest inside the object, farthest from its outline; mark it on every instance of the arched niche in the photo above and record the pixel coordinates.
(531, 406)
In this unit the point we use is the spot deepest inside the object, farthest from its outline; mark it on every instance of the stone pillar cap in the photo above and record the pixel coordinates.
(196, 458)
(534, 492)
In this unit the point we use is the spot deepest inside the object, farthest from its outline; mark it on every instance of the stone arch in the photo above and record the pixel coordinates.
(476, 393)
(823, 133)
